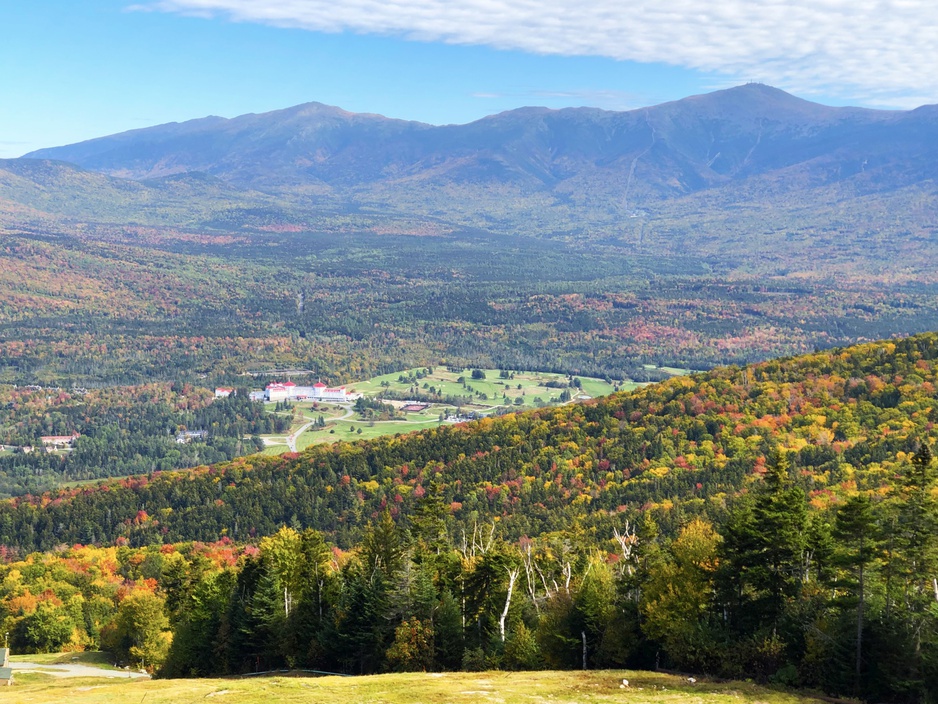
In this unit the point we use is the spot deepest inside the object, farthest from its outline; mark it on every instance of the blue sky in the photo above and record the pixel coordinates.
(74, 69)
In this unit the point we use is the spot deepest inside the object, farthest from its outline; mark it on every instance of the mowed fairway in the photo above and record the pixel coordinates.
(492, 387)
(525, 390)
(508, 687)
(348, 430)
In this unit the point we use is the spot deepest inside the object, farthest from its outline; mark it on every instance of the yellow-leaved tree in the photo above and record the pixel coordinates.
(678, 593)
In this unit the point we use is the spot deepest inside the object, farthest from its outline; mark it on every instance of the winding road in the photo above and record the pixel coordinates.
(292, 438)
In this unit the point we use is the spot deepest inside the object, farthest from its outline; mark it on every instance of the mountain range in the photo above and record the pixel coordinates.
(747, 152)
(670, 149)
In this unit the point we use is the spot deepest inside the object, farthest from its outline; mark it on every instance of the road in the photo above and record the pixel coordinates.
(291, 439)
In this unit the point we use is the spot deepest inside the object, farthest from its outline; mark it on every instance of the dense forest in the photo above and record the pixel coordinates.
(848, 419)
(776, 521)
(123, 431)
(132, 305)
(838, 599)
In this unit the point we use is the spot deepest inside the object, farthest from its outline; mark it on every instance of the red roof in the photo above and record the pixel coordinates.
(319, 385)
(275, 386)
(289, 383)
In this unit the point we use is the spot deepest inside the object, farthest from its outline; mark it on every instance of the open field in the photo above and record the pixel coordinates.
(348, 430)
(488, 392)
(508, 687)
(91, 657)
(522, 391)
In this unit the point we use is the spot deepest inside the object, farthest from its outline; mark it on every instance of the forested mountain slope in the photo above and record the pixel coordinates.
(540, 171)
(720, 229)
(776, 522)
(849, 420)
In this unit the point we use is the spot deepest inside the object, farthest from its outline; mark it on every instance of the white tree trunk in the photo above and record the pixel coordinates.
(512, 576)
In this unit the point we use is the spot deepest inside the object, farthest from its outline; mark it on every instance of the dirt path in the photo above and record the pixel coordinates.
(75, 670)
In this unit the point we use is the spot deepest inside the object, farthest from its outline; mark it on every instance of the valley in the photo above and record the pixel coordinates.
(523, 475)
(422, 398)
(512, 242)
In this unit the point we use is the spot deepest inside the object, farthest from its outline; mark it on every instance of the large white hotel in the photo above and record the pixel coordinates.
(288, 391)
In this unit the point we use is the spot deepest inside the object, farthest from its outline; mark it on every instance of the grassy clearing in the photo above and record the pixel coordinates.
(493, 387)
(673, 371)
(348, 430)
(520, 687)
(676, 371)
(530, 388)
(91, 657)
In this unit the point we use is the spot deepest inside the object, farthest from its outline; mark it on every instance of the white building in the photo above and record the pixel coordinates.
(321, 392)
(59, 440)
(288, 391)
(223, 392)
(277, 392)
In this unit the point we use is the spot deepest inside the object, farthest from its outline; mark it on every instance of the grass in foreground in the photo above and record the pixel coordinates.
(508, 687)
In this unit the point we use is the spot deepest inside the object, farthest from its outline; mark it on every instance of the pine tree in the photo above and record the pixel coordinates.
(918, 521)
(383, 546)
(854, 530)
(765, 549)
(428, 523)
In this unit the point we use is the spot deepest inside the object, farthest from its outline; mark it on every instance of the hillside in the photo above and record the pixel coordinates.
(58, 189)
(777, 522)
(849, 419)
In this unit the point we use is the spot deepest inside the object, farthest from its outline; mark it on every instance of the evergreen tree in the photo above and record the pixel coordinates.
(854, 530)
(765, 550)
(383, 546)
(428, 530)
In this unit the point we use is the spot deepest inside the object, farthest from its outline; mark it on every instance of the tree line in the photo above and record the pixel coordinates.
(842, 599)
(125, 430)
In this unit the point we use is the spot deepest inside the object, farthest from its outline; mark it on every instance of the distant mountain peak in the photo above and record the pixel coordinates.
(650, 153)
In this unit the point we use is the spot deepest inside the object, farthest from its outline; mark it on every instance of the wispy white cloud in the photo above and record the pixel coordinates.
(608, 99)
(875, 50)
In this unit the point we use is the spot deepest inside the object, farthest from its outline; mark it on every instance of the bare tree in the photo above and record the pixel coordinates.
(480, 543)
(627, 541)
(512, 576)
(530, 567)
